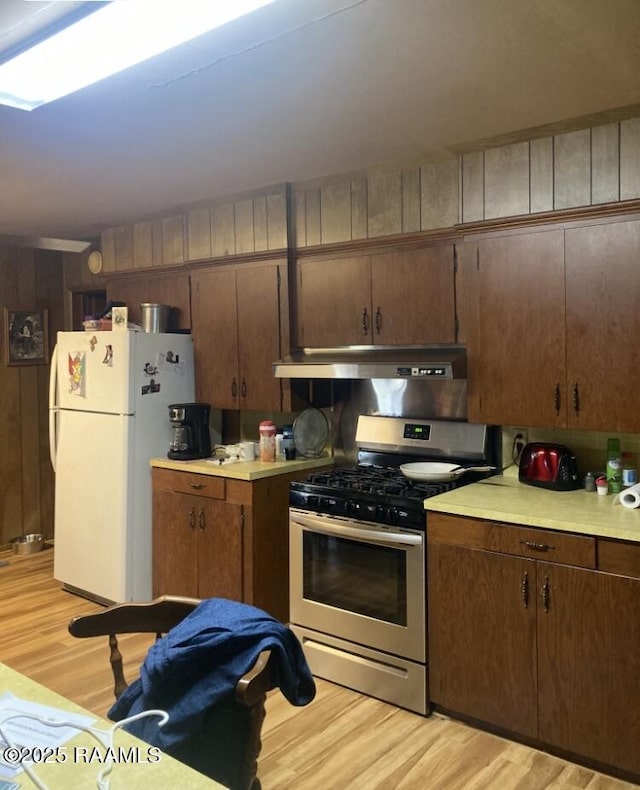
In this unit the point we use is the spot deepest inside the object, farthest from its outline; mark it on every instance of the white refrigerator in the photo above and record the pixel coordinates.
(108, 416)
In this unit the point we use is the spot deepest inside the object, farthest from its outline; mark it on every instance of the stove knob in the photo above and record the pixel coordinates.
(350, 507)
(313, 501)
(392, 515)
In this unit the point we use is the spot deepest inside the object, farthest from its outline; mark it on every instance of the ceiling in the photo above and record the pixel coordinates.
(301, 90)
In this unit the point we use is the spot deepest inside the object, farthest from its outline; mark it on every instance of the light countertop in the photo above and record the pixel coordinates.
(504, 498)
(78, 762)
(243, 470)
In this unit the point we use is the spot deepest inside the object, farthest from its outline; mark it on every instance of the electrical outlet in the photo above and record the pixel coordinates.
(520, 438)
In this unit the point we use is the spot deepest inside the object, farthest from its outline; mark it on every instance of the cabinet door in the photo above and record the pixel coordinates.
(412, 297)
(482, 642)
(517, 355)
(258, 291)
(603, 326)
(219, 528)
(175, 562)
(589, 681)
(215, 337)
(334, 302)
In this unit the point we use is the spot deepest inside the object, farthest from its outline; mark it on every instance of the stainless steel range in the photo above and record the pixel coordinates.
(357, 549)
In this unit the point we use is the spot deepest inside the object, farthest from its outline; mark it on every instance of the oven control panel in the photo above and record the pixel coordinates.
(420, 431)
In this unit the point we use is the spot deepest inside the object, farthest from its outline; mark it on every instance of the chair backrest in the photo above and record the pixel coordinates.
(242, 717)
(153, 617)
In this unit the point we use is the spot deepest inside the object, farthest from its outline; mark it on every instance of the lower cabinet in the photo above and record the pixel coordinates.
(205, 540)
(223, 537)
(527, 634)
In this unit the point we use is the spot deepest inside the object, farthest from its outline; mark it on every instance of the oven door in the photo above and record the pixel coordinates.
(359, 581)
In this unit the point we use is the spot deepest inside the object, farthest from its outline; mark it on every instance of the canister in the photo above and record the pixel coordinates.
(267, 429)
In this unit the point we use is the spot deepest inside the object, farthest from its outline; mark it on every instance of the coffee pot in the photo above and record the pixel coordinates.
(191, 438)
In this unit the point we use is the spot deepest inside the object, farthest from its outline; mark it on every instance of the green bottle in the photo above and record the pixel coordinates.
(614, 466)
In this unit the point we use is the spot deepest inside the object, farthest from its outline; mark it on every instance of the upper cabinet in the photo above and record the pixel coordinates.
(551, 326)
(240, 326)
(603, 326)
(516, 337)
(396, 298)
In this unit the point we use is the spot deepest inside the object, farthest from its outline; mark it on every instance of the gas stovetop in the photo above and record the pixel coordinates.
(376, 490)
(368, 493)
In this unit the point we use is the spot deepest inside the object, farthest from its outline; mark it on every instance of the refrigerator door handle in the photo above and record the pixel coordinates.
(53, 408)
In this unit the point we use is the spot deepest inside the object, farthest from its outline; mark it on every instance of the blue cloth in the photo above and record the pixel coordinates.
(198, 663)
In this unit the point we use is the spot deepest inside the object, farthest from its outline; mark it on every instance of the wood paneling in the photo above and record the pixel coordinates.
(605, 158)
(243, 217)
(29, 279)
(410, 200)
(199, 234)
(439, 195)
(359, 208)
(506, 181)
(312, 221)
(172, 240)
(630, 159)
(336, 212)
(572, 169)
(541, 174)
(143, 252)
(384, 204)
(224, 235)
(473, 187)
(277, 208)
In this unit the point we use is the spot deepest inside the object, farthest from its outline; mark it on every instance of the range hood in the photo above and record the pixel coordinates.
(430, 363)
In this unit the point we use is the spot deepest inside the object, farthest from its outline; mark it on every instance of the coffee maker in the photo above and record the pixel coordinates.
(191, 438)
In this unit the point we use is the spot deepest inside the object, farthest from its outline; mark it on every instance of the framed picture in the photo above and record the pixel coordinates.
(26, 337)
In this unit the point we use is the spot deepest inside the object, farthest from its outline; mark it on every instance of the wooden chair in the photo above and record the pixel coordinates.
(235, 733)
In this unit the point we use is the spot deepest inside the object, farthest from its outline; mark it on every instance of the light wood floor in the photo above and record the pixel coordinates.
(342, 741)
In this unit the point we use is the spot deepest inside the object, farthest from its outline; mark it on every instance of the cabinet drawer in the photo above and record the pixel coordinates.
(543, 544)
(619, 556)
(189, 483)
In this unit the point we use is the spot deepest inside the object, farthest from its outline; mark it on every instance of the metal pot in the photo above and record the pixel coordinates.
(437, 472)
(27, 544)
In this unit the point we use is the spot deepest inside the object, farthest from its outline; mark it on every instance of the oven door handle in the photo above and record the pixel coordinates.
(368, 535)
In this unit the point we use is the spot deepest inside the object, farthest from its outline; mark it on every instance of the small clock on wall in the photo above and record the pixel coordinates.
(94, 262)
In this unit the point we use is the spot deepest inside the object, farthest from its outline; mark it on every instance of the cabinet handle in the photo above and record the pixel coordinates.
(365, 321)
(556, 399)
(234, 388)
(531, 544)
(576, 399)
(524, 590)
(243, 388)
(378, 320)
(545, 594)
(201, 520)
(192, 518)
(197, 486)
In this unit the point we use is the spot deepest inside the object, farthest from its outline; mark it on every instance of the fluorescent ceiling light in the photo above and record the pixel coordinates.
(114, 37)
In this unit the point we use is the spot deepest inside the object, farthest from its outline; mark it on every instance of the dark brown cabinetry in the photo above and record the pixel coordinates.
(603, 326)
(223, 537)
(240, 325)
(197, 537)
(516, 349)
(396, 298)
(540, 647)
(550, 317)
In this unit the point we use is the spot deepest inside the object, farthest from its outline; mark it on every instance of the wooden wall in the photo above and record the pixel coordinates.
(29, 279)
(587, 167)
